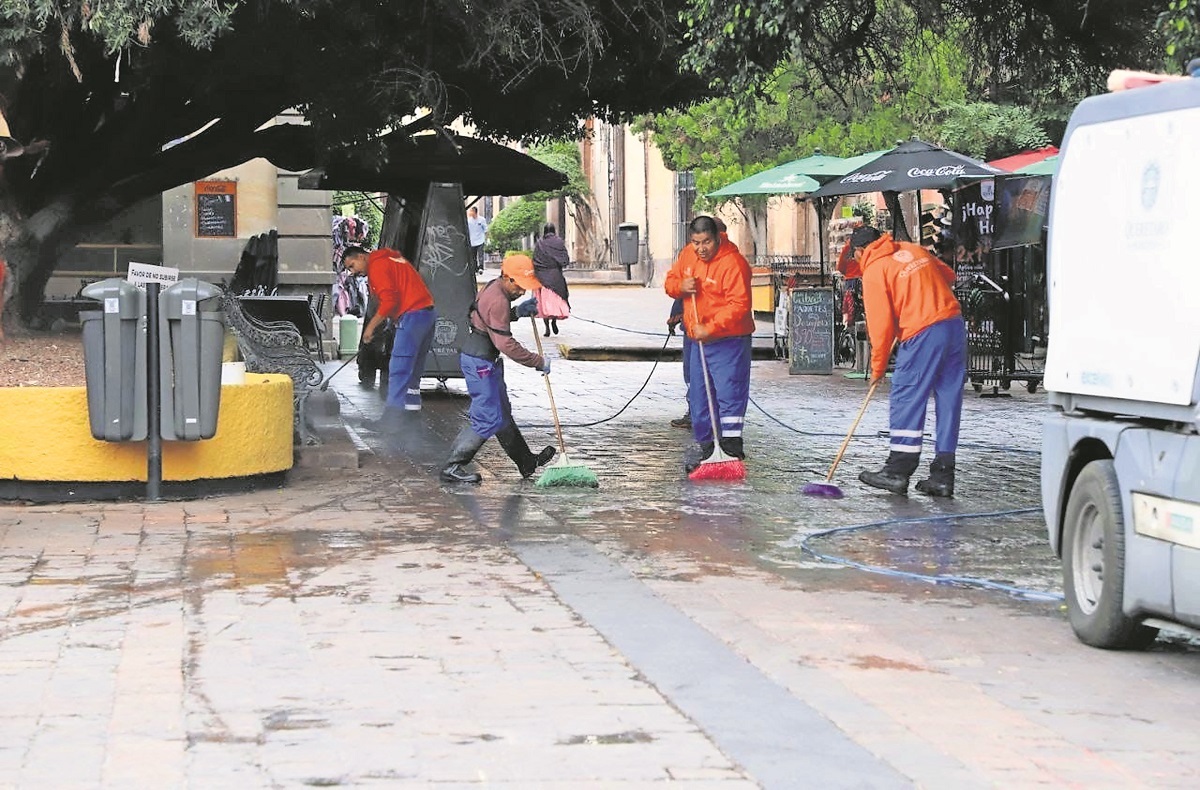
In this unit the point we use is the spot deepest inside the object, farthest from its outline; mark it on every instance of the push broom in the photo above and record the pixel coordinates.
(562, 473)
(719, 465)
(826, 488)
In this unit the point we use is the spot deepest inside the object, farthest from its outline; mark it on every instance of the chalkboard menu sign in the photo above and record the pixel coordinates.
(216, 208)
(811, 331)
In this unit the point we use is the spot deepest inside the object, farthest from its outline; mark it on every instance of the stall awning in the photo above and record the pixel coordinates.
(1014, 163)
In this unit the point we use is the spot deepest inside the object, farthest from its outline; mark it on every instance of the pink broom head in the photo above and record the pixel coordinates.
(827, 490)
(732, 469)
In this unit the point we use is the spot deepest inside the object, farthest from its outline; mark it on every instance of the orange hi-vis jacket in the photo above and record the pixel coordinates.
(397, 283)
(906, 290)
(722, 291)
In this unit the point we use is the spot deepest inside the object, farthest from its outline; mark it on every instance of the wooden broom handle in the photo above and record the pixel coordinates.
(846, 442)
(553, 409)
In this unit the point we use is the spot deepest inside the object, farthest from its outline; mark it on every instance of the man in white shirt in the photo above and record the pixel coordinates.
(477, 235)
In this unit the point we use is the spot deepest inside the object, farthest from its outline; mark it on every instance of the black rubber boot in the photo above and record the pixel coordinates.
(554, 325)
(683, 422)
(514, 444)
(894, 474)
(941, 477)
(466, 444)
(546, 321)
(693, 455)
(732, 445)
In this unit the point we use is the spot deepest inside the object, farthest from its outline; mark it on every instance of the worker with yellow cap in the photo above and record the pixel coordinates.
(489, 339)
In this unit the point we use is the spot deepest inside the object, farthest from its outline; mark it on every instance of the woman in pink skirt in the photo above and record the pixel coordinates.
(553, 298)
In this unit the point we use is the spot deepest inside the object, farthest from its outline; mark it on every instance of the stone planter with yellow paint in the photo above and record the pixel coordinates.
(47, 451)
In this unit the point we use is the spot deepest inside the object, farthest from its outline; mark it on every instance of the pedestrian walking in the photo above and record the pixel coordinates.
(908, 300)
(489, 339)
(477, 236)
(549, 258)
(713, 279)
(405, 301)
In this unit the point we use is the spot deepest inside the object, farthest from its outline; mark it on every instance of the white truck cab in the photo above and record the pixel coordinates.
(1121, 451)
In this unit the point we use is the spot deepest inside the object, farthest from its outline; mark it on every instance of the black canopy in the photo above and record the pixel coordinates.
(914, 164)
(409, 163)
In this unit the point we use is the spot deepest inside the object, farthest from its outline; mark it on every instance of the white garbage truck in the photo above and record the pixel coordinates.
(1120, 471)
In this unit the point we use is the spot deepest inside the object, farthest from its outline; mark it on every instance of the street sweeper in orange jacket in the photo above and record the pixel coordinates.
(713, 279)
(908, 300)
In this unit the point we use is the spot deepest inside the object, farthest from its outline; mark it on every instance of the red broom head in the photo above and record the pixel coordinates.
(733, 469)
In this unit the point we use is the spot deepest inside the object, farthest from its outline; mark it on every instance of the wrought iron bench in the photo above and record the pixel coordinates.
(275, 347)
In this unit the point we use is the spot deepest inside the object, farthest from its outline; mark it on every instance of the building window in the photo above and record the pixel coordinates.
(685, 203)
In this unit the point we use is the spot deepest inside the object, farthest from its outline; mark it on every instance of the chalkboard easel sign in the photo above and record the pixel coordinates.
(216, 209)
(811, 331)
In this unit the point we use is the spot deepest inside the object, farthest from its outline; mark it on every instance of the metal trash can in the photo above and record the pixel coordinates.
(114, 361)
(627, 247)
(192, 327)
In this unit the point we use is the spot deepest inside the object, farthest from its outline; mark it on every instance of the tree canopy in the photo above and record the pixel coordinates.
(119, 100)
(126, 98)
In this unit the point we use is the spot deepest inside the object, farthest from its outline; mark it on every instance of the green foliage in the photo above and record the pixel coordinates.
(866, 210)
(30, 25)
(1021, 51)
(562, 155)
(514, 222)
(989, 131)
(1180, 28)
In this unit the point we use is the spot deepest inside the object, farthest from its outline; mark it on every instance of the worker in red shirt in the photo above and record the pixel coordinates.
(713, 279)
(908, 300)
(406, 302)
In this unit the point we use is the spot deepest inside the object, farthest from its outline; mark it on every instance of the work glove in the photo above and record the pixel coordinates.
(673, 323)
(545, 366)
(527, 308)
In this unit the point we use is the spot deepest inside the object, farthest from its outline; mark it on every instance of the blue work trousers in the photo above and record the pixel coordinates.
(414, 334)
(728, 361)
(490, 410)
(933, 361)
(687, 358)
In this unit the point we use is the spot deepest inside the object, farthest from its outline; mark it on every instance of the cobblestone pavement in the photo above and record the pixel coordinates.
(380, 628)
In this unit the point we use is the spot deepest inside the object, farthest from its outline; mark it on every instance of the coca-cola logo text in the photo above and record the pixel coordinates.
(929, 172)
(858, 178)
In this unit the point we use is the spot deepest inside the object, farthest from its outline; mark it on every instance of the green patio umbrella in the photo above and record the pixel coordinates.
(799, 177)
(1046, 167)
(776, 181)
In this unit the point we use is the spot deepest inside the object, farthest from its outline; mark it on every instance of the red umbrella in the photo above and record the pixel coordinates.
(1015, 162)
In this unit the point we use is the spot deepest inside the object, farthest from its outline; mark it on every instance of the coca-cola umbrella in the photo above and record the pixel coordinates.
(912, 165)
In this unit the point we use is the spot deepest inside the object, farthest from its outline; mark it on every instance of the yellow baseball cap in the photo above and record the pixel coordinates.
(520, 268)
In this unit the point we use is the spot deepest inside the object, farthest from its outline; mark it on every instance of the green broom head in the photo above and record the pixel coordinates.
(564, 474)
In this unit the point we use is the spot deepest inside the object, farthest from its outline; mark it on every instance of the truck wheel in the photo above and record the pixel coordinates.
(1093, 553)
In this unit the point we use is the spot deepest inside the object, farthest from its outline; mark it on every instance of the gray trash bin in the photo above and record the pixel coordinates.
(114, 361)
(627, 246)
(193, 341)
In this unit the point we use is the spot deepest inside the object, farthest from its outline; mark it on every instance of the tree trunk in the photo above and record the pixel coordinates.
(899, 227)
(584, 211)
(32, 248)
